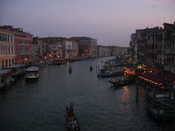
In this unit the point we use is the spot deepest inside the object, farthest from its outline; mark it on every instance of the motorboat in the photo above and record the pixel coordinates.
(32, 73)
(118, 82)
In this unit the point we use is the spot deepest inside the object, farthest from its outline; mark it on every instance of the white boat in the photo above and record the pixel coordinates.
(32, 73)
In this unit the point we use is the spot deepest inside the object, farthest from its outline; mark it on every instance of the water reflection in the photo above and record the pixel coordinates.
(40, 106)
(126, 94)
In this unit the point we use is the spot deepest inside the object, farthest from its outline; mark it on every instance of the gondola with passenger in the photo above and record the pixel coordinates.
(71, 122)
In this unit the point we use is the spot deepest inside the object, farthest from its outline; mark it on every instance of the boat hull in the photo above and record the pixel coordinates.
(71, 122)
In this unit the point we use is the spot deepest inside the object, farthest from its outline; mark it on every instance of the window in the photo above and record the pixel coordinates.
(3, 37)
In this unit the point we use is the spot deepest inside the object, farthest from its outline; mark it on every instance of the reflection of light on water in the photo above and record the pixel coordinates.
(125, 99)
(125, 89)
(125, 96)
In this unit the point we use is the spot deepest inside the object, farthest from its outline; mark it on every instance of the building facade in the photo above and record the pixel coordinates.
(155, 46)
(23, 47)
(71, 49)
(57, 47)
(133, 48)
(7, 49)
(105, 51)
(23, 44)
(119, 51)
(51, 47)
(87, 46)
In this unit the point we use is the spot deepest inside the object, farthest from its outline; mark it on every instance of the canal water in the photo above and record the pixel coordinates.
(40, 106)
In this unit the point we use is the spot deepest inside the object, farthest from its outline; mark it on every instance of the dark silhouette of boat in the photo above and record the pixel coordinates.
(71, 122)
(160, 103)
(70, 70)
(118, 82)
(91, 68)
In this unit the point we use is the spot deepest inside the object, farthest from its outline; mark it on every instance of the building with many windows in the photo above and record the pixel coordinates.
(71, 49)
(7, 50)
(155, 46)
(105, 51)
(87, 46)
(57, 47)
(23, 44)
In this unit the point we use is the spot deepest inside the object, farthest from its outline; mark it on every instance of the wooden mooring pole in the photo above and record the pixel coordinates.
(137, 91)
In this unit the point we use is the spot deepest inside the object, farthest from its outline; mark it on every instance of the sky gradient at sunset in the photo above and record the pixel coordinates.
(109, 21)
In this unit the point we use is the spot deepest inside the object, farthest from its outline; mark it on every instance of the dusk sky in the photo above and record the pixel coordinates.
(111, 22)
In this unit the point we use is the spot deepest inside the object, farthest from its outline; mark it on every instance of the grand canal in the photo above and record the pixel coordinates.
(40, 106)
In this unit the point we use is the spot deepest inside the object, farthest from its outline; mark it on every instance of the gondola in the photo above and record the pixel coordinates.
(70, 70)
(71, 122)
(91, 68)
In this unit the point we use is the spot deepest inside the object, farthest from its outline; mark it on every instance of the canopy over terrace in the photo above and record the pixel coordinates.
(160, 78)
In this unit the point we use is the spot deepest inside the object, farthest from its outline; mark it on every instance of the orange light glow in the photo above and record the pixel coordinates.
(128, 71)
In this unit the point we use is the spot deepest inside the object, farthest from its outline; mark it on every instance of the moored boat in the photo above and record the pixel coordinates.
(160, 103)
(118, 82)
(71, 122)
(32, 73)
(107, 73)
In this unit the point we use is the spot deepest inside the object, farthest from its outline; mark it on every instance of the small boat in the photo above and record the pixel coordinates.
(32, 73)
(160, 103)
(106, 73)
(56, 62)
(71, 122)
(91, 68)
(118, 82)
(70, 70)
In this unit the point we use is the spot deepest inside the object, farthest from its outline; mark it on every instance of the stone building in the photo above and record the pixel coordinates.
(71, 49)
(87, 46)
(155, 46)
(119, 51)
(51, 47)
(133, 48)
(23, 44)
(56, 47)
(39, 50)
(7, 49)
(104, 51)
